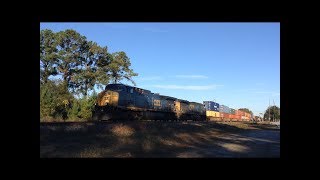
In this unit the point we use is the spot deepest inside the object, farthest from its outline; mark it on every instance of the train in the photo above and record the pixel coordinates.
(124, 102)
(217, 112)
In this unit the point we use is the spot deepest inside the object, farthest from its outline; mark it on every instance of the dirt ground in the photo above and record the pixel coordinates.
(156, 139)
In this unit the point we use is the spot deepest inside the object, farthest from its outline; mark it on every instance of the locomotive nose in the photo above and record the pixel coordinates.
(105, 99)
(109, 98)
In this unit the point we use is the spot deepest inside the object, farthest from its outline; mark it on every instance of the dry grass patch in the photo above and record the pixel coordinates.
(235, 147)
(91, 153)
(122, 130)
(124, 155)
(189, 155)
(147, 145)
(170, 142)
(75, 128)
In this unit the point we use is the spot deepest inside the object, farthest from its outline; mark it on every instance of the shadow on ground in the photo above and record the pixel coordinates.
(158, 139)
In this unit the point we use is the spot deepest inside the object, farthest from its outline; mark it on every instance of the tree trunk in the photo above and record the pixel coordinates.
(85, 90)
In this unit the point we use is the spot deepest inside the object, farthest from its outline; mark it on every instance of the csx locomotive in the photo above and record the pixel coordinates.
(123, 102)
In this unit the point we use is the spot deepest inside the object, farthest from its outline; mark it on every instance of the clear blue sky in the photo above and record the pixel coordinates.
(236, 64)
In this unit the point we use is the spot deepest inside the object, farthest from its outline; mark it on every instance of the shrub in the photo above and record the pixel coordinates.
(54, 100)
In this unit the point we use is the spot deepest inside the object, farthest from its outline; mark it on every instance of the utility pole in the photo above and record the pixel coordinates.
(269, 110)
(273, 109)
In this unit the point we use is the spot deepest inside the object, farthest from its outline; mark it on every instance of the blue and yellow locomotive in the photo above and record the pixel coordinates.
(123, 102)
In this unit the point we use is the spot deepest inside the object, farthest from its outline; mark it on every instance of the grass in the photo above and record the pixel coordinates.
(158, 139)
(122, 130)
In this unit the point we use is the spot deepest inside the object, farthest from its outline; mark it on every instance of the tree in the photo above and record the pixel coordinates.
(87, 106)
(94, 68)
(48, 55)
(82, 65)
(85, 77)
(54, 100)
(119, 68)
(71, 47)
(246, 110)
(104, 59)
(274, 113)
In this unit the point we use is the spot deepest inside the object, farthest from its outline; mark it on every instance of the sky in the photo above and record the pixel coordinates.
(234, 64)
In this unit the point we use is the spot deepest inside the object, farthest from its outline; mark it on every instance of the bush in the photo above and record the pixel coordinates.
(54, 100)
(58, 104)
(73, 113)
(86, 107)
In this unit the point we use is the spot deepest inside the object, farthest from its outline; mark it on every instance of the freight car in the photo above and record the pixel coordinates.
(217, 112)
(123, 102)
(212, 110)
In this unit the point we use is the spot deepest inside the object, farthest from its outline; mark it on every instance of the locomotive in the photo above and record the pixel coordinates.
(123, 102)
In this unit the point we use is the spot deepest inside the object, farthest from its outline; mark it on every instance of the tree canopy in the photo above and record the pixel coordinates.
(48, 55)
(274, 112)
(246, 110)
(119, 67)
(81, 63)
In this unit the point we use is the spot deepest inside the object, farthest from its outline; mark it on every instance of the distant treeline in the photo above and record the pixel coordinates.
(70, 68)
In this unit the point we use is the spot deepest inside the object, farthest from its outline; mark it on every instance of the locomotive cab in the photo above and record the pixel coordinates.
(110, 96)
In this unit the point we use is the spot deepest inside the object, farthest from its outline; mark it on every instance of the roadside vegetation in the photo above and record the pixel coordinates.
(71, 68)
